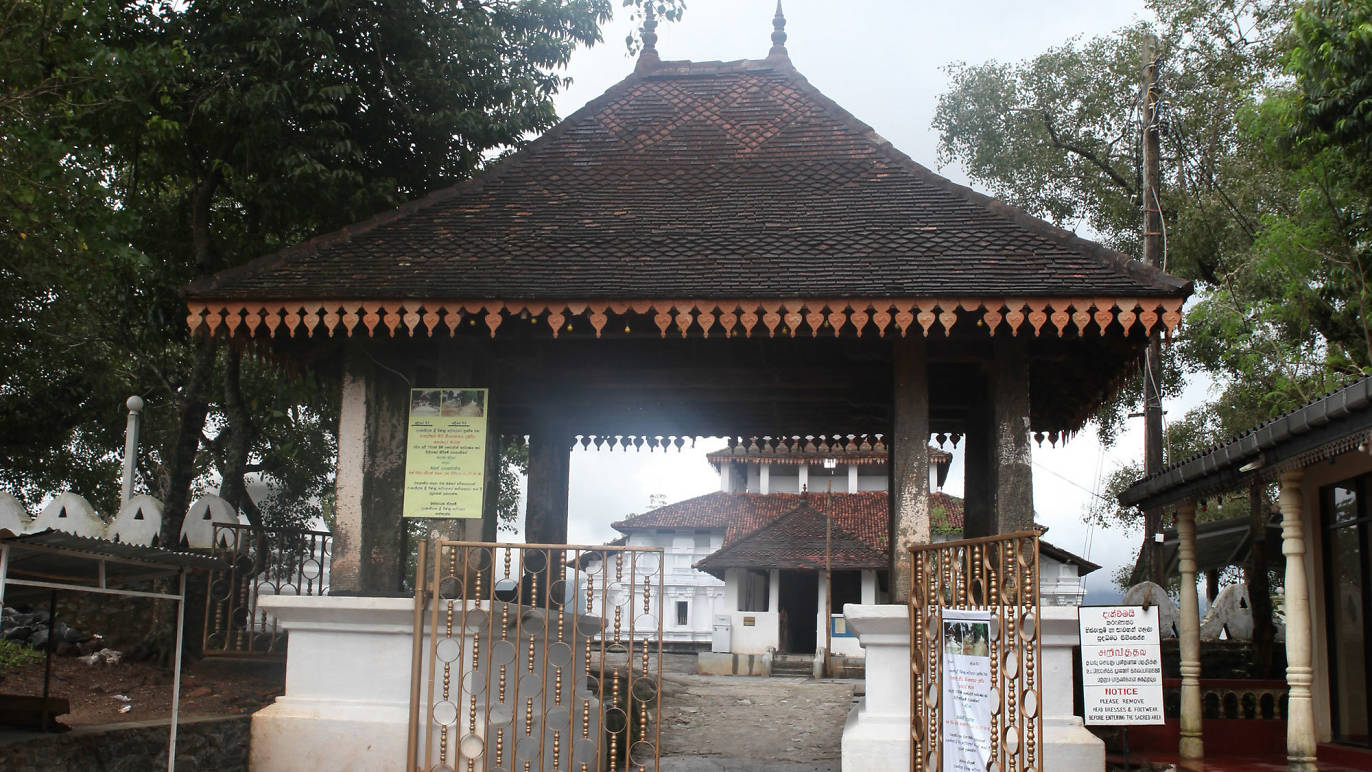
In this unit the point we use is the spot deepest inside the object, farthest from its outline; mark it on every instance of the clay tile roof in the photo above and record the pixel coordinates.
(701, 180)
(864, 515)
(797, 540)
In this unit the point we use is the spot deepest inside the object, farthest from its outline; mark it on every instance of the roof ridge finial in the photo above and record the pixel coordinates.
(647, 56)
(778, 34)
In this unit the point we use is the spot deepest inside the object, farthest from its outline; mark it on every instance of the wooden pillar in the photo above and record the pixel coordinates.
(1300, 717)
(979, 466)
(368, 558)
(909, 459)
(545, 517)
(1013, 455)
(1188, 631)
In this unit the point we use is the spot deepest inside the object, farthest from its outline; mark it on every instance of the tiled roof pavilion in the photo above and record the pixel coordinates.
(706, 248)
(713, 200)
(693, 180)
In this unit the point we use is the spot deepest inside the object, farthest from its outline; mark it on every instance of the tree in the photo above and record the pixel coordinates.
(1264, 198)
(167, 141)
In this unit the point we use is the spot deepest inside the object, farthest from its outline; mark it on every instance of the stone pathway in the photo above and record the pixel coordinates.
(744, 724)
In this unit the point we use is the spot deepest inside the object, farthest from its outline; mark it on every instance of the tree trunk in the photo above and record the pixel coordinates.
(1259, 591)
(181, 464)
(239, 435)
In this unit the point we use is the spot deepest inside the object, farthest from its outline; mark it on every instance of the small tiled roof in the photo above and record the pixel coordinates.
(699, 180)
(740, 514)
(796, 540)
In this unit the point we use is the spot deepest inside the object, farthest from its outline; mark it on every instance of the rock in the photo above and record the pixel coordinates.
(39, 639)
(198, 692)
(111, 656)
(19, 633)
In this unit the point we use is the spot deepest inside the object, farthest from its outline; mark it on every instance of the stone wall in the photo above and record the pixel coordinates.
(219, 744)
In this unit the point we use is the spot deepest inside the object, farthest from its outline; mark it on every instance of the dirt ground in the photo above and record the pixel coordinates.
(725, 717)
(736, 717)
(97, 693)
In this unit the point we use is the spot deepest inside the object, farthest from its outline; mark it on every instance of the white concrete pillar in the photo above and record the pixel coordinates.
(349, 483)
(1066, 742)
(876, 736)
(733, 578)
(724, 478)
(774, 591)
(1300, 718)
(852, 478)
(869, 588)
(803, 479)
(1188, 629)
(764, 478)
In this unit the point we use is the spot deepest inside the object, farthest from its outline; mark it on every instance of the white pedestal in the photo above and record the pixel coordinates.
(1067, 745)
(876, 736)
(347, 700)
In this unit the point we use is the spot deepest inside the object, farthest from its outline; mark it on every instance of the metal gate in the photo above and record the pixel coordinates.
(535, 657)
(1000, 575)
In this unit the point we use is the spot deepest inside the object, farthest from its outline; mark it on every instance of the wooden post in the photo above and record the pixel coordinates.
(1188, 631)
(979, 467)
(909, 459)
(1300, 717)
(545, 519)
(1014, 476)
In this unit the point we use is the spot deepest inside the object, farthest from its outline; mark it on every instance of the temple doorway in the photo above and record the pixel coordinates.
(799, 606)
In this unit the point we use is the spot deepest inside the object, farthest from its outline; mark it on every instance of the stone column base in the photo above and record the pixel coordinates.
(1070, 747)
(293, 734)
(876, 743)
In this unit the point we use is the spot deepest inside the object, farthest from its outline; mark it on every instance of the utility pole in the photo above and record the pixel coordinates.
(1152, 255)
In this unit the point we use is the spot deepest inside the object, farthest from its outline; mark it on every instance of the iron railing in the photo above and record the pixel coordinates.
(998, 575)
(536, 657)
(262, 561)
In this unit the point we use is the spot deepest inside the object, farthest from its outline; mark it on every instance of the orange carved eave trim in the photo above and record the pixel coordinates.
(792, 317)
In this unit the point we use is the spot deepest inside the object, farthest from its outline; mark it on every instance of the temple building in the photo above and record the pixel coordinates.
(746, 567)
(1318, 456)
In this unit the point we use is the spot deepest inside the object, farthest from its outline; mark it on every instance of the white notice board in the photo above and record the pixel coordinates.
(1121, 664)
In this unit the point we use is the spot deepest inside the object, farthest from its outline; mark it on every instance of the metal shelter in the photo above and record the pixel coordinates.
(42, 563)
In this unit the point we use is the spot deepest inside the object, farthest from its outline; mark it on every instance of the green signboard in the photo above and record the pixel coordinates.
(445, 453)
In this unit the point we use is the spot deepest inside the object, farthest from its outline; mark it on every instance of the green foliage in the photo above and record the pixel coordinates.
(143, 145)
(514, 466)
(14, 656)
(1261, 193)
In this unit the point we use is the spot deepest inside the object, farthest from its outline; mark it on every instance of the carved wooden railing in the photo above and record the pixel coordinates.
(1231, 698)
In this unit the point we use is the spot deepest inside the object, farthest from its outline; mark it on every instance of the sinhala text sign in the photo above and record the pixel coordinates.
(1121, 665)
(966, 690)
(445, 453)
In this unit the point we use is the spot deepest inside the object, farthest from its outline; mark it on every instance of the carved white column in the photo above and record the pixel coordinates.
(1300, 719)
(1188, 629)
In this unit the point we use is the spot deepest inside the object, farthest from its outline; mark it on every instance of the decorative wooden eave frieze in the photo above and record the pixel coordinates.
(795, 317)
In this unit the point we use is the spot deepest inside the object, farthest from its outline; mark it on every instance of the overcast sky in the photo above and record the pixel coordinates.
(882, 60)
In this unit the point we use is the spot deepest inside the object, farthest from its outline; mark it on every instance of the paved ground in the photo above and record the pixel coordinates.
(744, 724)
